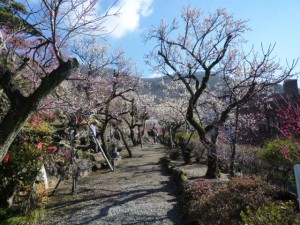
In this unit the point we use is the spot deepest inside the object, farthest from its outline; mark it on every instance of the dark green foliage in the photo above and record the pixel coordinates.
(12, 7)
(186, 136)
(11, 14)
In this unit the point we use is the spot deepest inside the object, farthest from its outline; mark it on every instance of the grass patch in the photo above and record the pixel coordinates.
(12, 217)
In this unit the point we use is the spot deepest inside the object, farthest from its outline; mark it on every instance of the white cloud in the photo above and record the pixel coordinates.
(154, 75)
(131, 12)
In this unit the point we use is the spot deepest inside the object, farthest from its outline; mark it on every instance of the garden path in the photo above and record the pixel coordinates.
(138, 192)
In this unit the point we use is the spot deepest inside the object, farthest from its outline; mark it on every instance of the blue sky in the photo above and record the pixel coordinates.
(270, 20)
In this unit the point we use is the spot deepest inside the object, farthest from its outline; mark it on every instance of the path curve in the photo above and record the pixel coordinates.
(139, 192)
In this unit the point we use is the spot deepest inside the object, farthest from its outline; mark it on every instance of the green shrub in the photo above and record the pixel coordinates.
(280, 156)
(275, 214)
(274, 152)
(85, 154)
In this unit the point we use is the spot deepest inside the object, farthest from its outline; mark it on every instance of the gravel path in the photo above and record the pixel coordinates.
(138, 192)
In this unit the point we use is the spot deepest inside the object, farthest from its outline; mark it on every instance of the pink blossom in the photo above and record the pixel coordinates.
(51, 148)
(40, 145)
(41, 158)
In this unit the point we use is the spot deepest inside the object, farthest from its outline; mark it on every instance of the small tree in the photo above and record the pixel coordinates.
(137, 115)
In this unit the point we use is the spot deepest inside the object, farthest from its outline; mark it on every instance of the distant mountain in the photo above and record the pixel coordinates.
(155, 85)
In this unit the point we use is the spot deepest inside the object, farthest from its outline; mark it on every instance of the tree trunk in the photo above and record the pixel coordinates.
(12, 123)
(233, 144)
(212, 166)
(232, 159)
(171, 138)
(22, 107)
(74, 172)
(125, 143)
(140, 135)
(132, 136)
(104, 143)
(212, 157)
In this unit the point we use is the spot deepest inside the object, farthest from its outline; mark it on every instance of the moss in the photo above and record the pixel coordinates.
(194, 222)
(184, 178)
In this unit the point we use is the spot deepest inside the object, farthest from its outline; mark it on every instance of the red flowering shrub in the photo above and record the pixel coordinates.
(22, 164)
(19, 170)
(195, 193)
(211, 202)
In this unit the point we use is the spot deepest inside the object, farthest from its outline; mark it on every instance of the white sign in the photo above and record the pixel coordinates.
(297, 176)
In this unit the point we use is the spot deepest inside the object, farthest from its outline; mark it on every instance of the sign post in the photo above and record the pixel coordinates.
(102, 152)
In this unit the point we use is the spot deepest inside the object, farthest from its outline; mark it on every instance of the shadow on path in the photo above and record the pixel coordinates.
(139, 192)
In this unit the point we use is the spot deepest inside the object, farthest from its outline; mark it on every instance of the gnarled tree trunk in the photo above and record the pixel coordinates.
(22, 108)
(125, 143)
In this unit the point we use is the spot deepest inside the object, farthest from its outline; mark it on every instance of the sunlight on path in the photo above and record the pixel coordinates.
(137, 193)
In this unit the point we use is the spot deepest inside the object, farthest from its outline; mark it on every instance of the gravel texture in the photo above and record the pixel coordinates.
(138, 192)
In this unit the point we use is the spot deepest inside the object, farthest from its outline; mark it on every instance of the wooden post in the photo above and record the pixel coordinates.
(140, 135)
(171, 138)
(74, 178)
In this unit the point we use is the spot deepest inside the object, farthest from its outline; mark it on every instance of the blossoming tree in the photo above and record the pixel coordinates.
(212, 45)
(36, 51)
